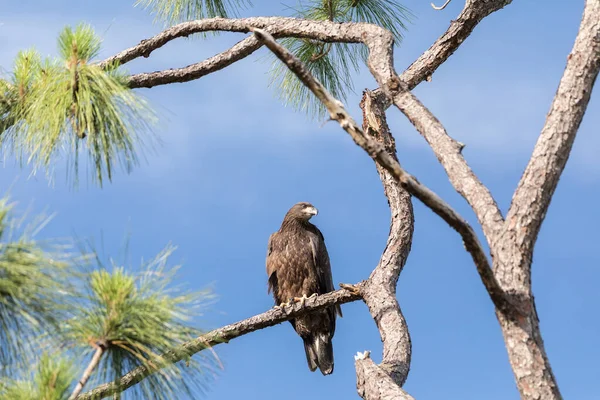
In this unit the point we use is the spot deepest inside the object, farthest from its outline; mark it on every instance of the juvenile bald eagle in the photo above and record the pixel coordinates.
(298, 268)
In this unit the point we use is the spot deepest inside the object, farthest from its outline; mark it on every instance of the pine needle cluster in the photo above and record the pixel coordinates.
(57, 307)
(332, 63)
(171, 12)
(136, 317)
(32, 289)
(58, 108)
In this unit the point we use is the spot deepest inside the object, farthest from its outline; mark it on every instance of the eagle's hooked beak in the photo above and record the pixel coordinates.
(312, 211)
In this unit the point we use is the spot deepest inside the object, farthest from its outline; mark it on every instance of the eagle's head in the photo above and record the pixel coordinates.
(303, 211)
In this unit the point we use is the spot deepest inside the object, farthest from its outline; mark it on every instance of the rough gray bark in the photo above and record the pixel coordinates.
(460, 29)
(380, 291)
(372, 382)
(514, 246)
(448, 152)
(195, 71)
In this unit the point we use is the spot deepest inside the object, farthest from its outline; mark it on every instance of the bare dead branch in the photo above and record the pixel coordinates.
(442, 6)
(375, 384)
(551, 152)
(380, 291)
(224, 335)
(446, 149)
(512, 264)
(239, 51)
(326, 31)
(448, 152)
(460, 29)
(338, 113)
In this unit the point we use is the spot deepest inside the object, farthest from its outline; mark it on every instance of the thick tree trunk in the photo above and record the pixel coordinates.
(513, 251)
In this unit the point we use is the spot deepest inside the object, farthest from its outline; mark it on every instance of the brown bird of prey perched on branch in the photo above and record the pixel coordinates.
(298, 268)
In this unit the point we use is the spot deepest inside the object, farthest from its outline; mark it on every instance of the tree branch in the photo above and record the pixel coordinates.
(326, 31)
(448, 152)
(100, 349)
(375, 384)
(380, 62)
(512, 266)
(460, 28)
(380, 291)
(379, 154)
(446, 149)
(224, 335)
(239, 51)
(551, 152)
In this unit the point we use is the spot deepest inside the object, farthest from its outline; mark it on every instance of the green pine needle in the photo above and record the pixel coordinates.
(51, 379)
(66, 106)
(330, 63)
(171, 12)
(389, 14)
(32, 289)
(138, 317)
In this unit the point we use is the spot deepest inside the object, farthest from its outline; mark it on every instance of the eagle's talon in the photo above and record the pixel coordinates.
(302, 300)
(351, 288)
(282, 306)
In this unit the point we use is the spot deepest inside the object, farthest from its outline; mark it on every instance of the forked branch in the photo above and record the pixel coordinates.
(377, 151)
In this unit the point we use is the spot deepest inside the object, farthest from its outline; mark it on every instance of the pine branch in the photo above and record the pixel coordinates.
(88, 371)
(239, 51)
(223, 335)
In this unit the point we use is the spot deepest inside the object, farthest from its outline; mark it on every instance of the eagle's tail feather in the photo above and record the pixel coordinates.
(319, 353)
(311, 355)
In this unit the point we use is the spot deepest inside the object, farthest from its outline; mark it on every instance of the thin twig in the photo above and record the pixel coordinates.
(326, 31)
(442, 6)
(88, 371)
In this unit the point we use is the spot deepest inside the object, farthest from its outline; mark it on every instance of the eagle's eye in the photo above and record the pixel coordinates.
(310, 210)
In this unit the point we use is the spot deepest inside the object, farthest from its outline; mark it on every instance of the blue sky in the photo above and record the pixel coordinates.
(234, 160)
